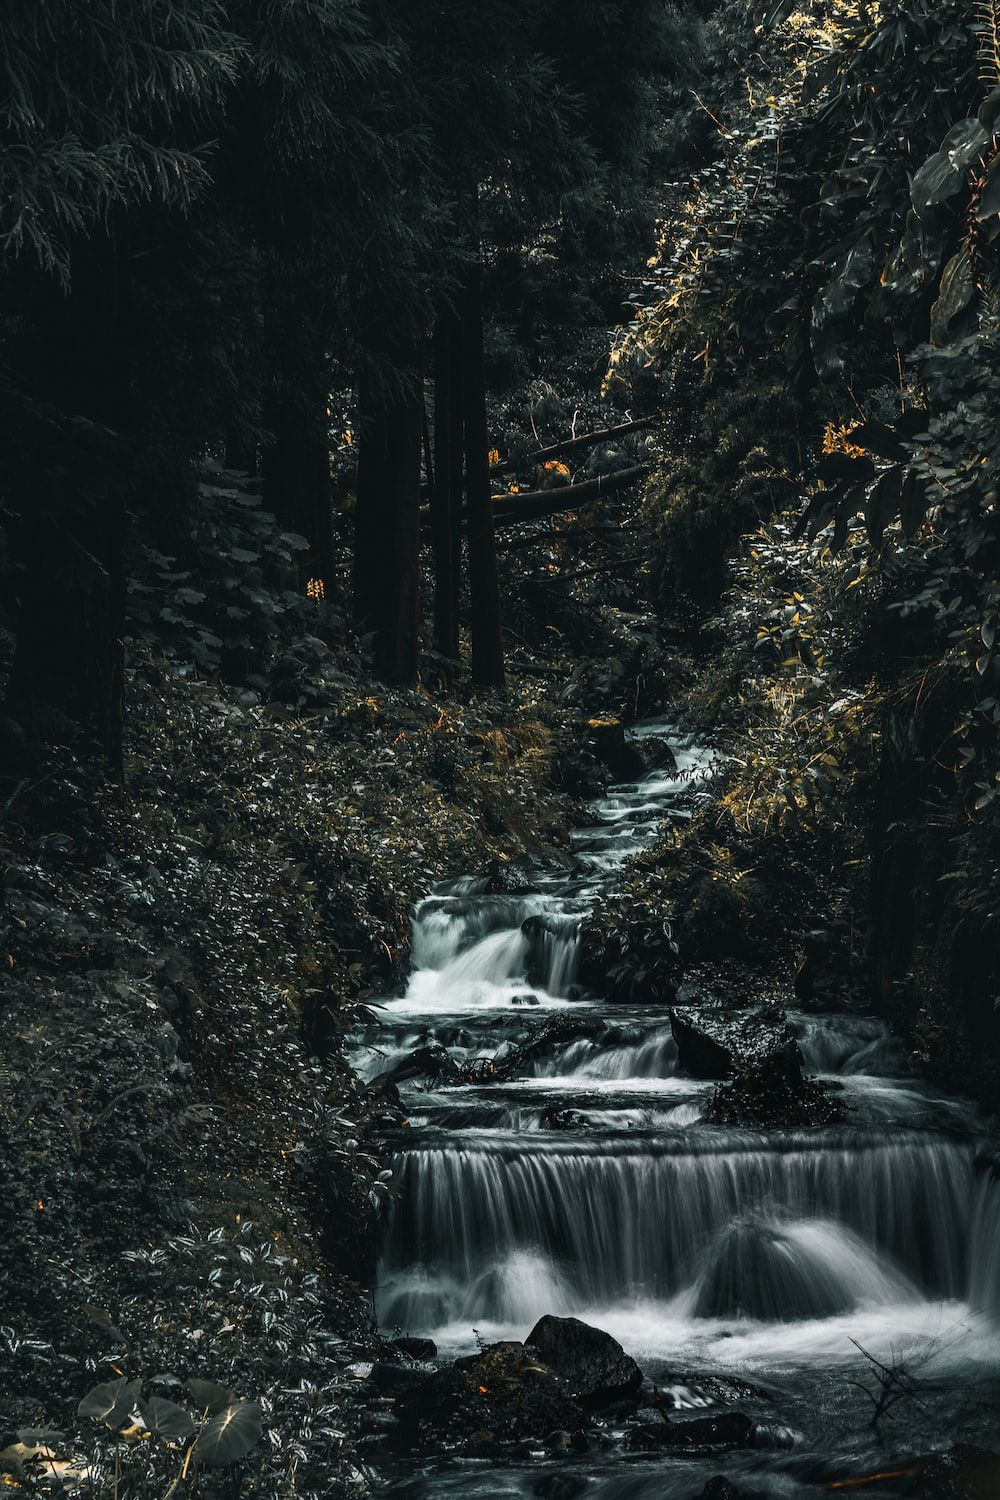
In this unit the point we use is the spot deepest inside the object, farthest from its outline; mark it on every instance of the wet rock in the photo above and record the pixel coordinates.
(721, 1488)
(699, 1436)
(422, 1349)
(720, 1043)
(767, 1095)
(435, 1063)
(963, 1473)
(824, 979)
(703, 1048)
(555, 1034)
(658, 755)
(507, 879)
(561, 1487)
(392, 1378)
(482, 1444)
(592, 1365)
(621, 756)
(505, 1391)
(680, 1390)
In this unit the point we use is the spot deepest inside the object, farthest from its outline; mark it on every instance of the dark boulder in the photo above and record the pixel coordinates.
(507, 879)
(721, 1488)
(434, 1063)
(592, 1366)
(719, 1043)
(703, 1048)
(699, 1436)
(774, 1095)
(824, 979)
(621, 756)
(962, 1473)
(658, 754)
(504, 1391)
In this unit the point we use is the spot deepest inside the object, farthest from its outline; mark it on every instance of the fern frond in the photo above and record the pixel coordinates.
(988, 25)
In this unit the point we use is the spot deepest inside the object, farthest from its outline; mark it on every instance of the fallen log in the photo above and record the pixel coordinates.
(511, 510)
(534, 505)
(585, 440)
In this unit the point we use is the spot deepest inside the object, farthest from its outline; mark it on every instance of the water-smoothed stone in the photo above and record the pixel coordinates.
(721, 1488)
(592, 1365)
(962, 1473)
(420, 1349)
(507, 879)
(505, 1390)
(435, 1063)
(698, 1436)
(704, 1047)
(621, 756)
(716, 1044)
(824, 979)
(771, 1095)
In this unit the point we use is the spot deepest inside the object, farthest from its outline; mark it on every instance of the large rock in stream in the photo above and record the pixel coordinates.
(592, 1366)
(503, 1394)
(756, 1059)
(718, 1044)
(962, 1473)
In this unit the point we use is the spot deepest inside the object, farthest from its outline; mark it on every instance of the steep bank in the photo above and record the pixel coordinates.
(190, 1180)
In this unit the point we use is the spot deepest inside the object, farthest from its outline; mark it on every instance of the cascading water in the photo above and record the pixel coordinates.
(591, 1184)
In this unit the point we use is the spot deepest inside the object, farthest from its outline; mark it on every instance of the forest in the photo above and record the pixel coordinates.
(500, 749)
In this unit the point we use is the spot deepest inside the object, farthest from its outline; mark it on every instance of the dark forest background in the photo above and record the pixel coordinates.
(396, 398)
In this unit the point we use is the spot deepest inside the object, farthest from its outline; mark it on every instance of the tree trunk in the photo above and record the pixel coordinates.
(387, 525)
(484, 585)
(446, 494)
(69, 659)
(241, 451)
(296, 470)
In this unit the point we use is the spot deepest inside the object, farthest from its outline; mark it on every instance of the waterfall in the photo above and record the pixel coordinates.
(617, 1219)
(579, 1174)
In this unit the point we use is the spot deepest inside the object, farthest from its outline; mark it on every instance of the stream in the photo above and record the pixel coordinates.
(737, 1265)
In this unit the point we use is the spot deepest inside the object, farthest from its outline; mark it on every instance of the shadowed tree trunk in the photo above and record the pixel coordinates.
(484, 586)
(296, 469)
(387, 520)
(69, 621)
(446, 494)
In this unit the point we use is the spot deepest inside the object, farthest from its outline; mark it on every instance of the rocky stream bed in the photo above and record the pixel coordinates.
(708, 1247)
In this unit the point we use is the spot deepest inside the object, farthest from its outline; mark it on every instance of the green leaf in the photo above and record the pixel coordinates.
(877, 438)
(208, 1396)
(167, 1419)
(883, 504)
(958, 288)
(111, 1404)
(989, 110)
(943, 173)
(229, 1435)
(989, 201)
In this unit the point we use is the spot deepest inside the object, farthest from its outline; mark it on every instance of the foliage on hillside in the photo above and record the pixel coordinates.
(826, 314)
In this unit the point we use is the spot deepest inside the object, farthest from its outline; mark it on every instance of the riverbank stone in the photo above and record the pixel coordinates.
(696, 1437)
(717, 1044)
(504, 1391)
(962, 1473)
(592, 1366)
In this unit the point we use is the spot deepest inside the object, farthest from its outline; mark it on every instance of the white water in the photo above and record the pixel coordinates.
(591, 1186)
